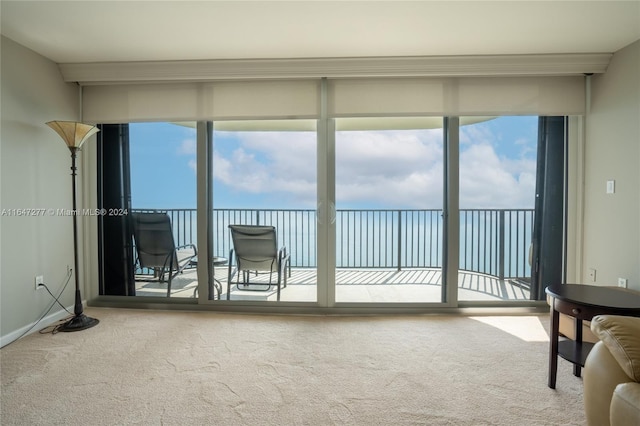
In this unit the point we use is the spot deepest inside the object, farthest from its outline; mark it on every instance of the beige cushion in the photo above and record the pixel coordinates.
(601, 375)
(625, 405)
(621, 335)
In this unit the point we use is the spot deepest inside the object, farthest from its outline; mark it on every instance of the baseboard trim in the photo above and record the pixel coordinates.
(34, 326)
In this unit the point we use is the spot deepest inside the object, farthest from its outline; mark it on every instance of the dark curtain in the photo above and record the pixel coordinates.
(549, 236)
(115, 249)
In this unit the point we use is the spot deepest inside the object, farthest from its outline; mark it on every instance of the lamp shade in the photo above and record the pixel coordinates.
(74, 134)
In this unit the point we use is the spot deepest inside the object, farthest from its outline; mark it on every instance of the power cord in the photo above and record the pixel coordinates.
(54, 329)
(57, 300)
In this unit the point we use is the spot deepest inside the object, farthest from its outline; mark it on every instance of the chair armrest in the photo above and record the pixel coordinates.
(230, 264)
(625, 405)
(195, 250)
(284, 259)
(283, 256)
(601, 375)
(621, 335)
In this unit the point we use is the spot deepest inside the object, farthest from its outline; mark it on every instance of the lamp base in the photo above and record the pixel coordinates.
(79, 322)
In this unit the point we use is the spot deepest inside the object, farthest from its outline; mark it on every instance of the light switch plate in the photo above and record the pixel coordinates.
(611, 186)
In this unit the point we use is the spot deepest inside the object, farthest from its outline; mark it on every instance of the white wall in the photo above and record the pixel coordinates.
(34, 173)
(611, 242)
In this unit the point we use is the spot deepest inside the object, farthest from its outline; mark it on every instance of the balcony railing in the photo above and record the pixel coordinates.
(492, 241)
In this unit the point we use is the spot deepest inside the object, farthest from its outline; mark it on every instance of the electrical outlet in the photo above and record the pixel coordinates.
(592, 274)
(39, 280)
(622, 282)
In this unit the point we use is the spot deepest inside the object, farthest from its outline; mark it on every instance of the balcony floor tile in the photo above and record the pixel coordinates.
(355, 285)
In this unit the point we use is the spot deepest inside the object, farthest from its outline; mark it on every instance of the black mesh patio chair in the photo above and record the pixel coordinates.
(156, 249)
(255, 250)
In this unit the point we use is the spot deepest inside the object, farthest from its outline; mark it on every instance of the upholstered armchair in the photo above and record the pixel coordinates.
(612, 372)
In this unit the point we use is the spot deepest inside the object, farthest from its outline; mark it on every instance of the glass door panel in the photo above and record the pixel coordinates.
(264, 174)
(389, 201)
(497, 195)
(162, 158)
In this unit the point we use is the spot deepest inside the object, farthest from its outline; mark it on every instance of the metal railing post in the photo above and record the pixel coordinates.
(501, 247)
(399, 240)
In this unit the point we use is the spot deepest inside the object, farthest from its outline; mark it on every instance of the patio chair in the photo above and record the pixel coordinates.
(255, 250)
(156, 249)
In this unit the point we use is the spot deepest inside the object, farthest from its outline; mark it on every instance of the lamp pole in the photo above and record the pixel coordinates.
(74, 134)
(80, 321)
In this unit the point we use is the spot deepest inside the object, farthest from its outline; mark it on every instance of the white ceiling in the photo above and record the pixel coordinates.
(104, 31)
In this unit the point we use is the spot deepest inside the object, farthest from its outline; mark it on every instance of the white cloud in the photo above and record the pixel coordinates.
(193, 165)
(391, 169)
(486, 181)
(187, 147)
(476, 134)
(281, 163)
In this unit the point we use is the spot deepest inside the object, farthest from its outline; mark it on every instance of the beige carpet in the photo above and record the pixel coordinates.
(200, 368)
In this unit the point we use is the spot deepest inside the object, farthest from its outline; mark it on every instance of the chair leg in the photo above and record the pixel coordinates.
(285, 278)
(229, 270)
(218, 286)
(279, 282)
(282, 271)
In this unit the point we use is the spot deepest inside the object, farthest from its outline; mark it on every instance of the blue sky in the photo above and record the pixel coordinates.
(161, 172)
(374, 169)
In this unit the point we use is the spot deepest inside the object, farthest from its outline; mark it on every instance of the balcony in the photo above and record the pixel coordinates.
(381, 255)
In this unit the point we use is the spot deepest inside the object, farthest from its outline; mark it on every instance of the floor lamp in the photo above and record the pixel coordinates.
(74, 134)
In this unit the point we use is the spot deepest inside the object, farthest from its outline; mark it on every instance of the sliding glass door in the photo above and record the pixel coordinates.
(389, 210)
(162, 164)
(263, 173)
(497, 193)
(498, 175)
(386, 213)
